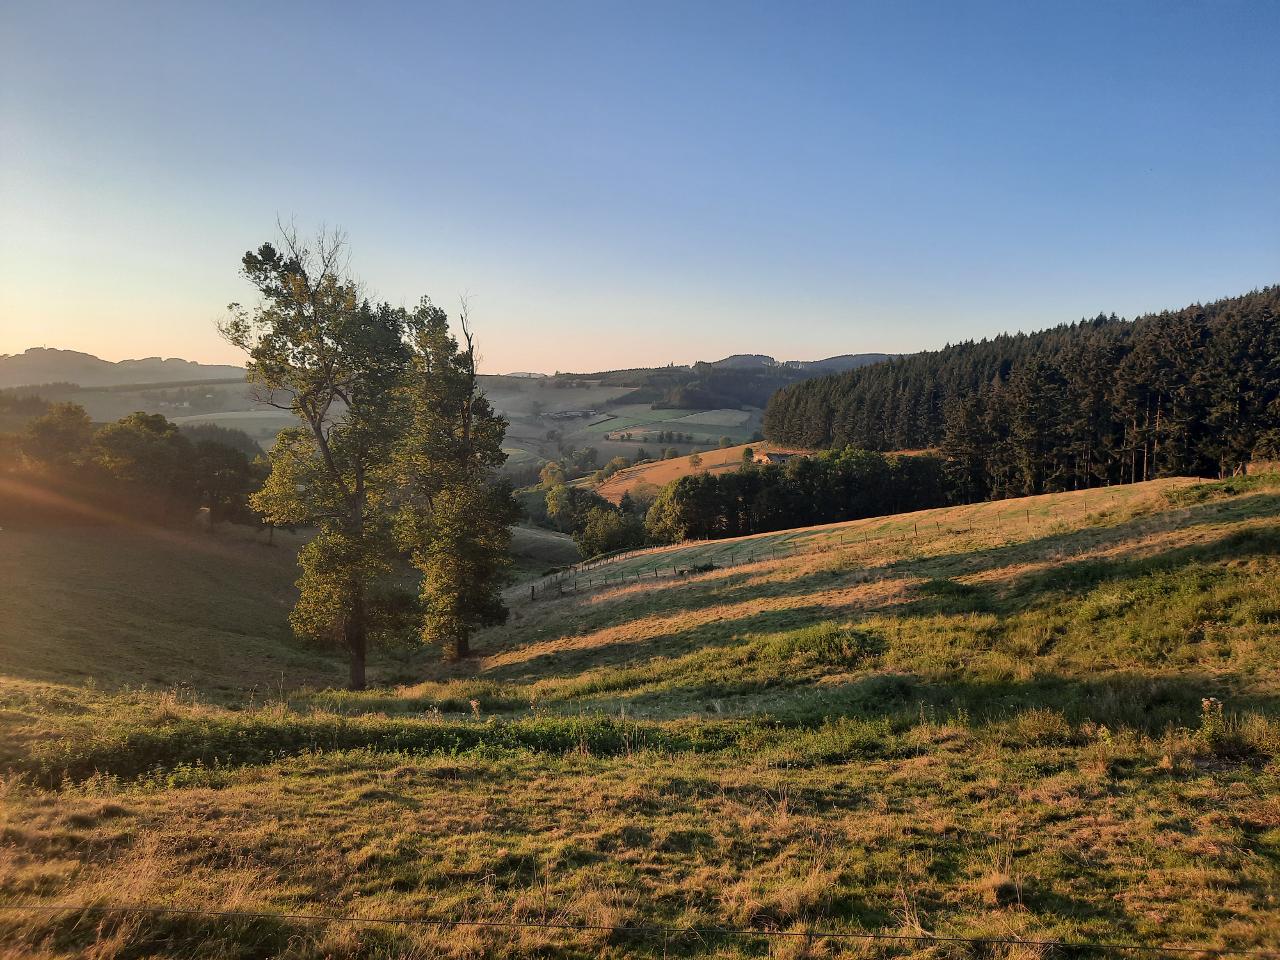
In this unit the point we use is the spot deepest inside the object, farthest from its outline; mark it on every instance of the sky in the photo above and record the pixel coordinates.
(627, 184)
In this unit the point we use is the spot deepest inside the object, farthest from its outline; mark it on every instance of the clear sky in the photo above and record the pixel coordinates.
(635, 183)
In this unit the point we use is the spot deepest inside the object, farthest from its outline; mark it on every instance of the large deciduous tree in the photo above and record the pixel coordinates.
(395, 457)
(318, 348)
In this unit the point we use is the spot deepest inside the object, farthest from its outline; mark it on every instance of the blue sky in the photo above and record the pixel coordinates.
(624, 184)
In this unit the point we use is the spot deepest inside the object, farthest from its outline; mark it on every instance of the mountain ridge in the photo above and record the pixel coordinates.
(40, 365)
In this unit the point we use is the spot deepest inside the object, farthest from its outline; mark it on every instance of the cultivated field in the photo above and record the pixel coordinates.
(984, 722)
(659, 473)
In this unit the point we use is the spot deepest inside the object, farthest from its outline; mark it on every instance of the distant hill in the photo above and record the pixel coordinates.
(761, 361)
(740, 380)
(45, 365)
(846, 361)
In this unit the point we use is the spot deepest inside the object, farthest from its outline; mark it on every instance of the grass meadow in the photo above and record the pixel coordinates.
(1054, 719)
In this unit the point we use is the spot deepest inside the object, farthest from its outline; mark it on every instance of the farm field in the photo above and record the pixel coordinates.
(985, 721)
(527, 437)
(530, 404)
(659, 473)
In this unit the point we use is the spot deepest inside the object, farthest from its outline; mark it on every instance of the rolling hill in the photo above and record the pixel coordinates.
(651, 477)
(1040, 719)
(45, 365)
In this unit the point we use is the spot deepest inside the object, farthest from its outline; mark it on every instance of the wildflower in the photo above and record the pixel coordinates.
(475, 708)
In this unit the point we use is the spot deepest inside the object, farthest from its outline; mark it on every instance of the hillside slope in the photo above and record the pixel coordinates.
(659, 473)
(984, 721)
(142, 607)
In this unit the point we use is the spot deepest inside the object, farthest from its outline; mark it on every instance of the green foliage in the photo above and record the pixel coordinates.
(1103, 401)
(568, 507)
(607, 529)
(60, 437)
(148, 465)
(230, 437)
(453, 516)
(839, 485)
(128, 750)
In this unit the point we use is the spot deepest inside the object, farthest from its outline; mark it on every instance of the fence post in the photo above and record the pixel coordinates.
(533, 592)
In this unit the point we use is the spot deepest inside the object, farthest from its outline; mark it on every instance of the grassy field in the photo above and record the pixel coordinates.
(535, 550)
(661, 472)
(987, 721)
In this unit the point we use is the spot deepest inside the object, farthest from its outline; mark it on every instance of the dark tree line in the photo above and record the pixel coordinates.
(701, 386)
(839, 485)
(1196, 391)
(140, 468)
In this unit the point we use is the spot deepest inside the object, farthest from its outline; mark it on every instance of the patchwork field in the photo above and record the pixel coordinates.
(618, 429)
(983, 722)
(532, 405)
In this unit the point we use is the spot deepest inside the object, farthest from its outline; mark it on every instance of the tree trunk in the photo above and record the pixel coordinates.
(460, 648)
(357, 642)
(357, 663)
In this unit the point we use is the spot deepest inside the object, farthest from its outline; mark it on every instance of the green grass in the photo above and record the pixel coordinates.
(983, 721)
(535, 550)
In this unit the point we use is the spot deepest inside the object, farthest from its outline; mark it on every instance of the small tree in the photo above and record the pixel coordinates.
(695, 461)
(607, 529)
(552, 474)
(224, 479)
(148, 467)
(59, 438)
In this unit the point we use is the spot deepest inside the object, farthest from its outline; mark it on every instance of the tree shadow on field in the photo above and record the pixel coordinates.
(571, 661)
(1086, 539)
(942, 595)
(1150, 703)
(663, 598)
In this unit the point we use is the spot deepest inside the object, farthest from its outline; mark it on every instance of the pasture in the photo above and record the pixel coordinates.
(659, 473)
(989, 721)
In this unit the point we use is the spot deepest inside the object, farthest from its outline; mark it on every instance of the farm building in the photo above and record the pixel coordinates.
(772, 456)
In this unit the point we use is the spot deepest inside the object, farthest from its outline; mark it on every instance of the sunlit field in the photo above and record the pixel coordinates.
(989, 721)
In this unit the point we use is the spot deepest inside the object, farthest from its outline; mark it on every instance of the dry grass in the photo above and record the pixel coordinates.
(661, 472)
(993, 728)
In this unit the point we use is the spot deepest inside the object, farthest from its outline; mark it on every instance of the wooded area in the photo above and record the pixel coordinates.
(1102, 401)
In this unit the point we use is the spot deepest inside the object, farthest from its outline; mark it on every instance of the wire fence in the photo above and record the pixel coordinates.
(810, 935)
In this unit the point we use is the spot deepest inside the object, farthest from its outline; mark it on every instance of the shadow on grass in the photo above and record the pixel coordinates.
(1150, 703)
(672, 598)
(572, 661)
(942, 595)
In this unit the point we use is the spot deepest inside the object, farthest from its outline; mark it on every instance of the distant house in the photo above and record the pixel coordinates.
(769, 456)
